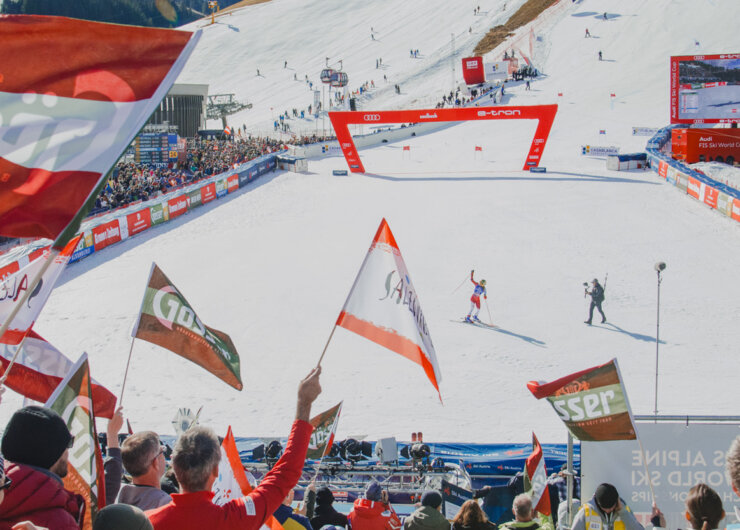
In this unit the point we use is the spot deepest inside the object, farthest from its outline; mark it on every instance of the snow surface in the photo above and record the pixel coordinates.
(272, 264)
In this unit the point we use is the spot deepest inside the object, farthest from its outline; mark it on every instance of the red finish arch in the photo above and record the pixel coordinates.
(544, 114)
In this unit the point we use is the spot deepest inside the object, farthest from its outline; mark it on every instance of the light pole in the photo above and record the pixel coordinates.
(659, 267)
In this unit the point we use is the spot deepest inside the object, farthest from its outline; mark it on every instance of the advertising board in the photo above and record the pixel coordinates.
(208, 192)
(177, 206)
(677, 456)
(232, 183)
(138, 221)
(106, 234)
(472, 68)
(705, 88)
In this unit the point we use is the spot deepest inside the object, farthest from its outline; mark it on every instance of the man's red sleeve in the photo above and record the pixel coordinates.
(284, 476)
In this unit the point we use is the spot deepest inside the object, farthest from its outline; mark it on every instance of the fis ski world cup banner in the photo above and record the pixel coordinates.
(535, 479)
(15, 285)
(73, 94)
(592, 403)
(324, 429)
(167, 320)
(72, 400)
(383, 306)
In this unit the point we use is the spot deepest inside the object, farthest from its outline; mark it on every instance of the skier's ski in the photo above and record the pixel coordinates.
(475, 323)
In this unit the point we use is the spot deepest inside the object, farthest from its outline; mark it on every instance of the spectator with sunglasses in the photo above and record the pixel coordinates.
(36, 444)
(143, 458)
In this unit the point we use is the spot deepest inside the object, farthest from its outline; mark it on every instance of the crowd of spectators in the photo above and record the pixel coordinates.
(36, 446)
(131, 181)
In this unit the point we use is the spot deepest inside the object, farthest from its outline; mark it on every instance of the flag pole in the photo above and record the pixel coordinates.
(644, 463)
(53, 253)
(326, 346)
(12, 361)
(125, 374)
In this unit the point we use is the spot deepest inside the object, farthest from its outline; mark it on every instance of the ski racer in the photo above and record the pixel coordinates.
(480, 289)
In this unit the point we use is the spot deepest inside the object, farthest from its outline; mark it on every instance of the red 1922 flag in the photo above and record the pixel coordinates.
(535, 479)
(394, 319)
(40, 368)
(592, 403)
(73, 94)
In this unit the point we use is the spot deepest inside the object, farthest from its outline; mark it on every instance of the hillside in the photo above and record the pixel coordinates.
(272, 265)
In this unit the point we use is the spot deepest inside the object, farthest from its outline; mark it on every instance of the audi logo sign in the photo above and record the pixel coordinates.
(371, 117)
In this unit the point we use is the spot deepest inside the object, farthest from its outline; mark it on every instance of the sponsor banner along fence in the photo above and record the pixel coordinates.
(111, 227)
(596, 150)
(677, 456)
(716, 195)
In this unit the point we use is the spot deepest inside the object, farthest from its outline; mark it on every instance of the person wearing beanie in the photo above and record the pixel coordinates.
(524, 516)
(36, 446)
(428, 516)
(324, 512)
(121, 517)
(373, 512)
(605, 511)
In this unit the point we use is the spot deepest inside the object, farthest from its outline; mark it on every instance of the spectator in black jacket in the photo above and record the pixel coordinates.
(597, 297)
(324, 513)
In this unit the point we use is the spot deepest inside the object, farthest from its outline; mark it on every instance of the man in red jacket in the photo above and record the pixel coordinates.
(373, 512)
(36, 442)
(195, 461)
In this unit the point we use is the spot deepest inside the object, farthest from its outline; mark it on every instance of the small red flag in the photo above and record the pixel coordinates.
(407, 148)
(478, 148)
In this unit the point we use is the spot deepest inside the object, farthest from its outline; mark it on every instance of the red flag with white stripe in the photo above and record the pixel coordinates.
(73, 94)
(535, 482)
(394, 318)
(39, 369)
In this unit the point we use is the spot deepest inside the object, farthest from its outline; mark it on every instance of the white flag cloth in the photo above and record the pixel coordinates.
(383, 306)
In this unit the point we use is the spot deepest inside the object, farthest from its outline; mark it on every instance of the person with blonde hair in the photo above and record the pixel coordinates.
(704, 508)
(471, 517)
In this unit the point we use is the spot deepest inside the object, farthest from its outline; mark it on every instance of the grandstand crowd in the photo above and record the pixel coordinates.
(143, 490)
(131, 181)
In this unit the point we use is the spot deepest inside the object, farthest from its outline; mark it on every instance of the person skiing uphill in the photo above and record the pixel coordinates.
(597, 297)
(480, 289)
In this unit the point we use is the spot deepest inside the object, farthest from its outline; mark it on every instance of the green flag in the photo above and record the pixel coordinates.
(72, 400)
(167, 320)
(325, 427)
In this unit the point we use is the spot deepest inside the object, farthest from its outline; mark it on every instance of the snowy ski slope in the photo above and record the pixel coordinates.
(272, 265)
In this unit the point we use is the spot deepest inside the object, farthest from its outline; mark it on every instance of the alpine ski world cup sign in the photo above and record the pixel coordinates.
(544, 114)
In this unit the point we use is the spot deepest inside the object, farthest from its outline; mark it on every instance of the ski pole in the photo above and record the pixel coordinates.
(490, 320)
(461, 284)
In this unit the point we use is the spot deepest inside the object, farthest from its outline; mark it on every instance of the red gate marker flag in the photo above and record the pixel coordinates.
(592, 403)
(73, 94)
(394, 318)
(535, 479)
(40, 368)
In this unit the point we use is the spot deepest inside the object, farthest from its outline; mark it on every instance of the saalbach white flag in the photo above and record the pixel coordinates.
(383, 306)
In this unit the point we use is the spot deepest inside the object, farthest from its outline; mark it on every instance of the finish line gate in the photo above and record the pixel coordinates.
(544, 114)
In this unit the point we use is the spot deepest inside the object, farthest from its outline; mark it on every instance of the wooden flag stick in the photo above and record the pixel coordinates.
(125, 374)
(12, 361)
(644, 463)
(327, 345)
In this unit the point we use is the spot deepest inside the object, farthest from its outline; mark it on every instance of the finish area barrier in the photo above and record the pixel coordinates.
(544, 114)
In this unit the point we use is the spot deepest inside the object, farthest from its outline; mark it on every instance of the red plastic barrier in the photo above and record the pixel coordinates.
(694, 188)
(710, 196)
(106, 234)
(139, 221)
(177, 206)
(208, 193)
(233, 183)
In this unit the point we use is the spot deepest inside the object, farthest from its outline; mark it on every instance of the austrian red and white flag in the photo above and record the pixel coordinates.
(40, 367)
(73, 94)
(232, 482)
(13, 286)
(383, 306)
(535, 479)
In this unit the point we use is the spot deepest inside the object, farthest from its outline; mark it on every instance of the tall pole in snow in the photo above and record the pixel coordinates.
(659, 267)
(452, 59)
